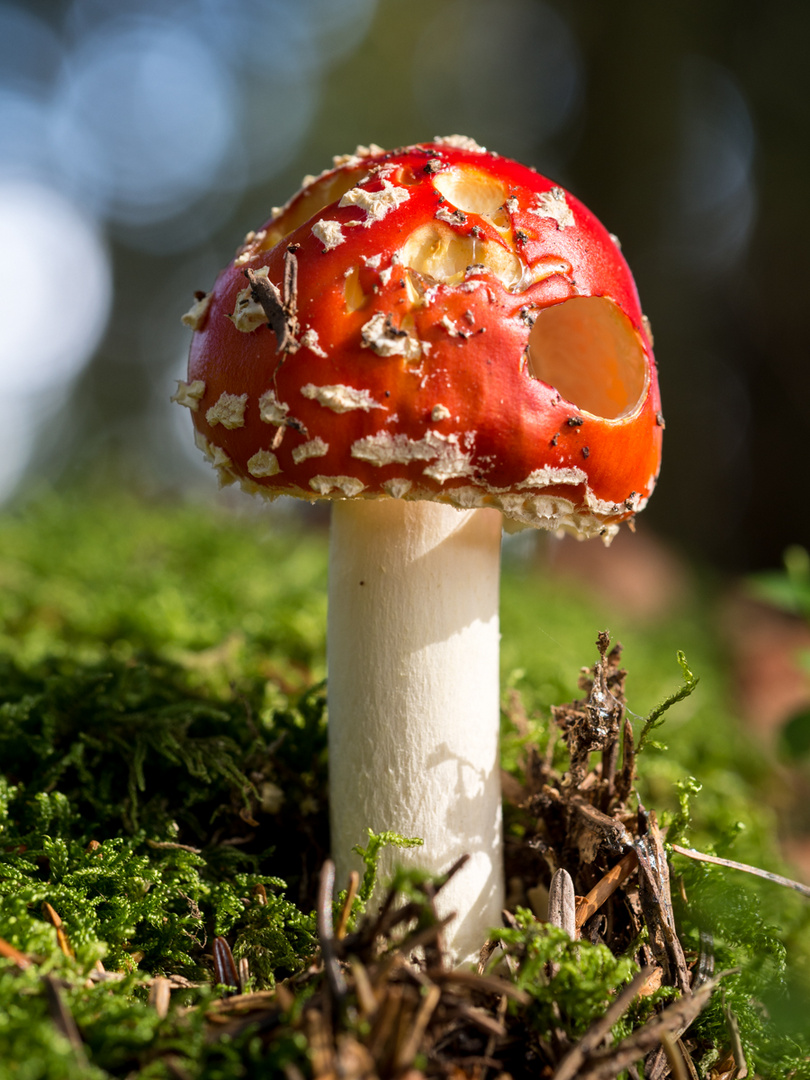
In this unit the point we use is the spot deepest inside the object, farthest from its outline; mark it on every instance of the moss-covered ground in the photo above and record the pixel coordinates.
(163, 784)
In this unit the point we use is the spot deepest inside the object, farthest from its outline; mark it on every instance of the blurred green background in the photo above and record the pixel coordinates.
(139, 142)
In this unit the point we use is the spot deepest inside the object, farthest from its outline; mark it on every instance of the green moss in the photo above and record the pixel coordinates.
(570, 983)
(86, 576)
(163, 749)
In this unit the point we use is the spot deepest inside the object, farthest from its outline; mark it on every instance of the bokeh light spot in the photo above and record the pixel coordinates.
(56, 286)
(155, 106)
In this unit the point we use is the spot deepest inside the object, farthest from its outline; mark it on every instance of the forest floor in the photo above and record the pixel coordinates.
(166, 907)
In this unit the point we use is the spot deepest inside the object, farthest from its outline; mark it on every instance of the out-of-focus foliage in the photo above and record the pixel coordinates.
(84, 576)
(788, 588)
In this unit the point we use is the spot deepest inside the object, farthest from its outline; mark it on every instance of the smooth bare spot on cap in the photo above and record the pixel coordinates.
(442, 254)
(589, 351)
(353, 292)
(474, 192)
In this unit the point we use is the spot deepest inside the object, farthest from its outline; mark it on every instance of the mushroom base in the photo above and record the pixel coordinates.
(413, 643)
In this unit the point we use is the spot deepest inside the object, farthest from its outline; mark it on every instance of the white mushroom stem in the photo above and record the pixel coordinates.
(413, 694)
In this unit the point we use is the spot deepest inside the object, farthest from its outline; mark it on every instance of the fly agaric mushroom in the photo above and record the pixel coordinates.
(432, 337)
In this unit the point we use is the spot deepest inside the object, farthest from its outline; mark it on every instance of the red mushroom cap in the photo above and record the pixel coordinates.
(435, 322)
